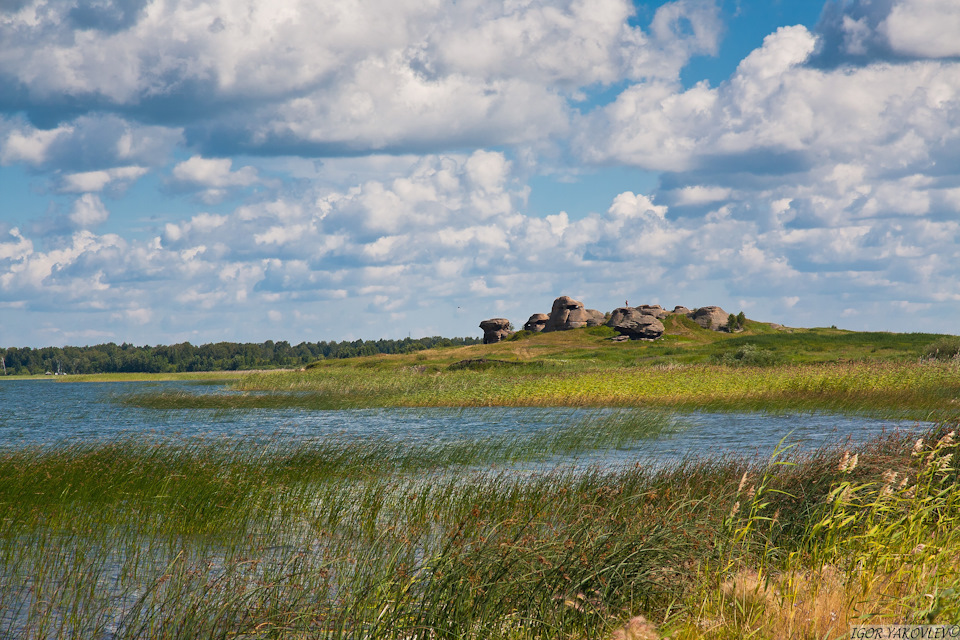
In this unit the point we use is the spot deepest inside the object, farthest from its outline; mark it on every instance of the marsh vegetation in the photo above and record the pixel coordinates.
(491, 537)
(371, 540)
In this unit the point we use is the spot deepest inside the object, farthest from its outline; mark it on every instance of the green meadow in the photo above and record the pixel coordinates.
(910, 376)
(488, 537)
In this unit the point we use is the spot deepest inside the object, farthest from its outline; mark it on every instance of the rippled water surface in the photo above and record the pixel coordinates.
(49, 412)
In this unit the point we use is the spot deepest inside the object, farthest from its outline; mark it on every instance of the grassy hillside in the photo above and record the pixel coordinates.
(684, 342)
(689, 368)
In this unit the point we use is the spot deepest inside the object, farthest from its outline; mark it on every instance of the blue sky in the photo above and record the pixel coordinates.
(178, 171)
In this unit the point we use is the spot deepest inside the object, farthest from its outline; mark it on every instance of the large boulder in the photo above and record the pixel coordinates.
(681, 310)
(567, 313)
(495, 330)
(654, 310)
(536, 323)
(630, 322)
(710, 317)
(595, 318)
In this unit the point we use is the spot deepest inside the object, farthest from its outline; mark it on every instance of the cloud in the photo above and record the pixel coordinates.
(923, 28)
(864, 31)
(213, 177)
(88, 211)
(214, 173)
(16, 250)
(701, 194)
(258, 79)
(88, 181)
(29, 146)
(301, 250)
(89, 143)
(844, 143)
(819, 177)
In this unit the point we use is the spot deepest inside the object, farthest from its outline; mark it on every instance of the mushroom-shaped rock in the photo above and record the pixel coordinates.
(710, 317)
(495, 330)
(654, 310)
(628, 321)
(567, 313)
(536, 323)
(595, 318)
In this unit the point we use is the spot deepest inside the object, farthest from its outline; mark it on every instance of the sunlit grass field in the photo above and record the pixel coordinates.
(762, 369)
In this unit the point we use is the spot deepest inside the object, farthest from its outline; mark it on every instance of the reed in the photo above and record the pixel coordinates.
(912, 390)
(367, 539)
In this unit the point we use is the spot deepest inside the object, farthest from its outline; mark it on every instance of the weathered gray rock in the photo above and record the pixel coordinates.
(628, 321)
(567, 313)
(495, 330)
(654, 310)
(595, 318)
(710, 317)
(536, 323)
(682, 310)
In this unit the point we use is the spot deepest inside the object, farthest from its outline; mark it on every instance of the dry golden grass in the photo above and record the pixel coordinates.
(808, 605)
(638, 628)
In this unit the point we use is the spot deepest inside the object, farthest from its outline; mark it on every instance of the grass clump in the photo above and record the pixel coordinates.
(875, 544)
(748, 355)
(482, 364)
(601, 331)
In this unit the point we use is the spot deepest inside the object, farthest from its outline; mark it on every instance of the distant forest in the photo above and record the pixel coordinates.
(222, 356)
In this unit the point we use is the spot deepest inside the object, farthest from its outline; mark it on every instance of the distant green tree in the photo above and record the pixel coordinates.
(736, 322)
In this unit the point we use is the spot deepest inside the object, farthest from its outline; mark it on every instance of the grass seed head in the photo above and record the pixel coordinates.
(848, 463)
(946, 440)
(734, 509)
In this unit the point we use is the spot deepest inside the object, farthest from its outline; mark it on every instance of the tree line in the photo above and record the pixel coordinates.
(221, 356)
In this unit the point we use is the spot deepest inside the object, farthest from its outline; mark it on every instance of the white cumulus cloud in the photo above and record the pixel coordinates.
(88, 211)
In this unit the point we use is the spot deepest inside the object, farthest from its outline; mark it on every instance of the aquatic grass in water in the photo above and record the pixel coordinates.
(341, 539)
(926, 391)
(337, 549)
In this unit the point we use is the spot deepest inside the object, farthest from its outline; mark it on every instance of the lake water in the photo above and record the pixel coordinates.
(48, 413)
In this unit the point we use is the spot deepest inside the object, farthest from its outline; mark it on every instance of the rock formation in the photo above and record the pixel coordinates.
(710, 317)
(567, 313)
(536, 323)
(654, 310)
(640, 322)
(628, 321)
(595, 318)
(495, 330)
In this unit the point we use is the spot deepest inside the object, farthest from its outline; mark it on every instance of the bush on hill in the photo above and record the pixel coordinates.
(945, 348)
(748, 355)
